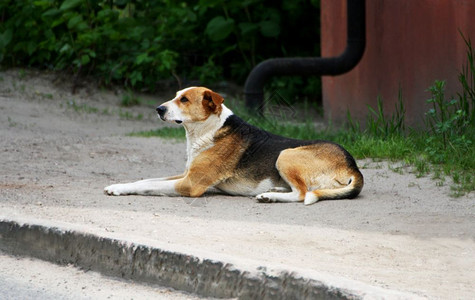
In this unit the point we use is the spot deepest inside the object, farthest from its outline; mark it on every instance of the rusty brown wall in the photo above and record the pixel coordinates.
(409, 44)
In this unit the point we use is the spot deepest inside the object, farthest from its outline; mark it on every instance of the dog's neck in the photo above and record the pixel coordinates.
(200, 135)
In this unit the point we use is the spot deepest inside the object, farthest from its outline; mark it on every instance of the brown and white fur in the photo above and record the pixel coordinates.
(236, 158)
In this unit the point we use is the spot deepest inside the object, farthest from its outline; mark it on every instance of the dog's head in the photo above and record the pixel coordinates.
(193, 104)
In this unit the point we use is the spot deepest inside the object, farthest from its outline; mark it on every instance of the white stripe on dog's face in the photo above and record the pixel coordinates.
(193, 104)
(181, 92)
(174, 113)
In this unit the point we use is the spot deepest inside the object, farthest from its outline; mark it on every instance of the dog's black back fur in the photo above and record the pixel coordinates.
(263, 149)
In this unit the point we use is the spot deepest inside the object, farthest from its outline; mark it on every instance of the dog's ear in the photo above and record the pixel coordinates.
(212, 101)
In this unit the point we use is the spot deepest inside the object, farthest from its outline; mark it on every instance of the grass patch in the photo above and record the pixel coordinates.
(411, 148)
(127, 115)
(82, 108)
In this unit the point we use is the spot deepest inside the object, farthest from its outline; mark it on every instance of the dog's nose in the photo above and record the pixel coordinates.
(161, 110)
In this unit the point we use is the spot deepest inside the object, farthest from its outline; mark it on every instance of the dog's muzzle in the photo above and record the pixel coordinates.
(161, 110)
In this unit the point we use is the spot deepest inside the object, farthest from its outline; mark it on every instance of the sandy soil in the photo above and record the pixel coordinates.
(59, 150)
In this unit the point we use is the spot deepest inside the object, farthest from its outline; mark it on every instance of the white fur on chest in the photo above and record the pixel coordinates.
(200, 136)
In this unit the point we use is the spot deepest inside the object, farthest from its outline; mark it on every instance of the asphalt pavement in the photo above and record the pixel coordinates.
(27, 278)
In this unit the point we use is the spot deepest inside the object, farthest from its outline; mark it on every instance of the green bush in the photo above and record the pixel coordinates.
(140, 42)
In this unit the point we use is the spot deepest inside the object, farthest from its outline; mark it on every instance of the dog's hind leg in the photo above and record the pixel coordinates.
(293, 177)
(278, 197)
(297, 193)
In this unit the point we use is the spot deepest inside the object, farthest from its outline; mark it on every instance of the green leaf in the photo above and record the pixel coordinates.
(74, 21)
(69, 4)
(135, 77)
(106, 14)
(85, 59)
(269, 28)
(65, 48)
(167, 59)
(5, 38)
(142, 58)
(57, 22)
(248, 28)
(230, 48)
(51, 12)
(82, 26)
(219, 28)
(31, 47)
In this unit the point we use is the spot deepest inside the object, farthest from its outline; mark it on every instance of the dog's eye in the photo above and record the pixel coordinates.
(184, 99)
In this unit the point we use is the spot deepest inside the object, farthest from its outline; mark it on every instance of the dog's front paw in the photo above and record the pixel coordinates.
(116, 190)
(264, 198)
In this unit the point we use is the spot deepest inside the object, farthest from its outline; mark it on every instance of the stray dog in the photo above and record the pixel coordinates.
(236, 158)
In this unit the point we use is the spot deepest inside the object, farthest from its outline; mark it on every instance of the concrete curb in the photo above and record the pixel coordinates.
(191, 273)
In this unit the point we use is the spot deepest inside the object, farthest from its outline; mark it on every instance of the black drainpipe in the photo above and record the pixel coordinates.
(311, 66)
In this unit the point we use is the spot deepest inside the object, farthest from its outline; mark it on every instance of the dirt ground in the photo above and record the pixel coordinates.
(59, 150)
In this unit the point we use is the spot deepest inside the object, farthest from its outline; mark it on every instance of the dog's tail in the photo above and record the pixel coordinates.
(354, 187)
